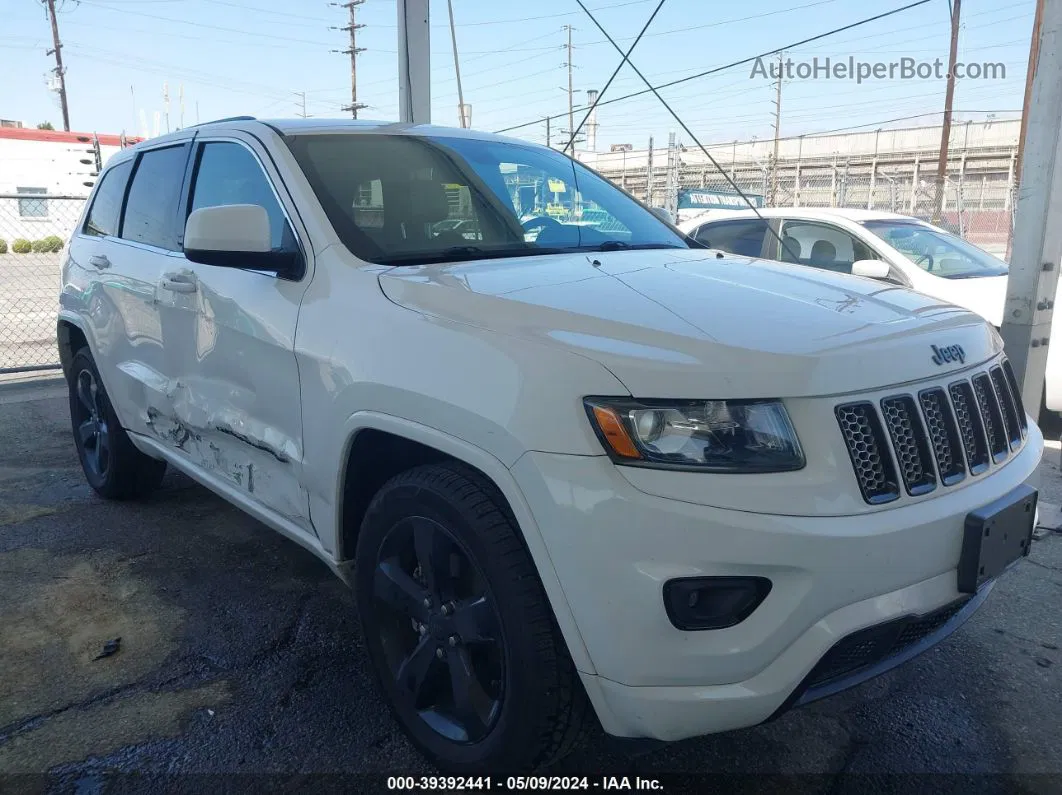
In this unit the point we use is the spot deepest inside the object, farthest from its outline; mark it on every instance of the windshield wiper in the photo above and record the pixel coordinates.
(623, 245)
(461, 253)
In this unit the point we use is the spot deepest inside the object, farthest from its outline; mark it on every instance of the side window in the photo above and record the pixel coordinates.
(744, 237)
(227, 173)
(32, 208)
(821, 246)
(151, 209)
(103, 215)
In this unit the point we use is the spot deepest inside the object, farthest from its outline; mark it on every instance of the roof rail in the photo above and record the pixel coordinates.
(219, 121)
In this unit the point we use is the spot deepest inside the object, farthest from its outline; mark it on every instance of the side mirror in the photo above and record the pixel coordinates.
(235, 236)
(871, 269)
(663, 214)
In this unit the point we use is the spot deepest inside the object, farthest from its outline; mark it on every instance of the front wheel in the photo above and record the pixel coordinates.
(113, 466)
(458, 627)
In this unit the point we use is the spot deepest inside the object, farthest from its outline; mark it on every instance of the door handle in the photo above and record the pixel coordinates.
(179, 283)
(99, 261)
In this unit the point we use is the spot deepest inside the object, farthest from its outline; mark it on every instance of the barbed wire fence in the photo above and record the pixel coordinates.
(33, 230)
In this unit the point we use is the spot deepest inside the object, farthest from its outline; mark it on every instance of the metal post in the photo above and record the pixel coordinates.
(414, 62)
(873, 172)
(1037, 236)
(649, 175)
(945, 132)
(914, 186)
(796, 186)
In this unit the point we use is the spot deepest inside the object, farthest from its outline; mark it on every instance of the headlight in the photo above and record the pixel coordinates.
(702, 435)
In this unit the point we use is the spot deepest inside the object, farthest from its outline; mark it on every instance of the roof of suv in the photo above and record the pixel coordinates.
(806, 213)
(296, 126)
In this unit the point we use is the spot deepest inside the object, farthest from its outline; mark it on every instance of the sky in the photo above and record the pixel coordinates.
(261, 57)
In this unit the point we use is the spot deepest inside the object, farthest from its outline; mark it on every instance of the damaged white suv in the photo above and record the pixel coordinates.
(569, 460)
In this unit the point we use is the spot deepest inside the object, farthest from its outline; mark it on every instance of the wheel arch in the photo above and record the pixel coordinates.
(70, 338)
(378, 446)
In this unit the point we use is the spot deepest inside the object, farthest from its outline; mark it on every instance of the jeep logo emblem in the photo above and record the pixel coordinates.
(949, 353)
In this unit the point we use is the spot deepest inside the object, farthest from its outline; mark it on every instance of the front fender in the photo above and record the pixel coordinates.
(503, 479)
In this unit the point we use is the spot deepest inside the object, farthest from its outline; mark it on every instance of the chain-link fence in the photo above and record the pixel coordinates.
(975, 200)
(33, 229)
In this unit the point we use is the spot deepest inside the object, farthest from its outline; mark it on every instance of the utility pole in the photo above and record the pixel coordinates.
(777, 130)
(166, 103)
(1034, 53)
(60, 72)
(1034, 267)
(571, 92)
(547, 132)
(462, 115)
(352, 51)
(949, 95)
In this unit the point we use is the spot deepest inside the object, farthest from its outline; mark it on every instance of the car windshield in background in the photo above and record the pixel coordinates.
(937, 252)
(405, 200)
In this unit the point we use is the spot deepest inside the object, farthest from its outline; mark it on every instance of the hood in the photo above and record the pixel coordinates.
(691, 323)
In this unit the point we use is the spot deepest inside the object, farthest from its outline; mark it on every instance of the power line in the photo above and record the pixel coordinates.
(653, 89)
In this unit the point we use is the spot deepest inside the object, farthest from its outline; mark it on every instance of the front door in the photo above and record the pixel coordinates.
(230, 337)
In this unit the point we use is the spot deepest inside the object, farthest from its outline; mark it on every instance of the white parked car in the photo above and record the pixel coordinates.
(601, 470)
(879, 245)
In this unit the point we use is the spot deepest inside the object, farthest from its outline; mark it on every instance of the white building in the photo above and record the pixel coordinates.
(44, 177)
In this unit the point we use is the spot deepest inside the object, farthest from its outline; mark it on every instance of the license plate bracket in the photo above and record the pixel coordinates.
(995, 536)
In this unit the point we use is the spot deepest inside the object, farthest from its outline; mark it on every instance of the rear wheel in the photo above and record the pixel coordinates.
(458, 627)
(113, 466)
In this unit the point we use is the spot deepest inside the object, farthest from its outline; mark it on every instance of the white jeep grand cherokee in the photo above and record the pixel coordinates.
(564, 457)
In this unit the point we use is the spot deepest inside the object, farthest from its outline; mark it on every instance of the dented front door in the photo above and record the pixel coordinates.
(234, 410)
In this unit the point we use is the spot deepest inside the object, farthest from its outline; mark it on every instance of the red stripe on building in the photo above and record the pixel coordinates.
(58, 136)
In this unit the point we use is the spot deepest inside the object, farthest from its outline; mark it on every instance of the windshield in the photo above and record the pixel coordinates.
(404, 200)
(936, 251)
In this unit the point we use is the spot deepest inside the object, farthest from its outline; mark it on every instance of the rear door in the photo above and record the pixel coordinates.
(744, 236)
(229, 334)
(129, 258)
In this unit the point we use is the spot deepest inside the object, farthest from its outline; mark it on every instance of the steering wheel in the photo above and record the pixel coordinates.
(543, 222)
(927, 258)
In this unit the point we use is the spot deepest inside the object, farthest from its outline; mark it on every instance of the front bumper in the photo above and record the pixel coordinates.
(613, 547)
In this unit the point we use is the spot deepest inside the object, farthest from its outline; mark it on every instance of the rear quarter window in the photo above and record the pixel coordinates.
(103, 214)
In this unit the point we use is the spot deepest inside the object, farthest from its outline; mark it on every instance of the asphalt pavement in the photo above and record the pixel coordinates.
(240, 664)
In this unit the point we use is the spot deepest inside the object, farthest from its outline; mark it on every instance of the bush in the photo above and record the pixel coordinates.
(53, 243)
(21, 246)
(39, 246)
(3, 246)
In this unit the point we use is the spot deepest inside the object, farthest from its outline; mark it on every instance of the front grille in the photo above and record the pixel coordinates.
(876, 644)
(910, 444)
(990, 416)
(944, 434)
(1006, 404)
(869, 452)
(937, 437)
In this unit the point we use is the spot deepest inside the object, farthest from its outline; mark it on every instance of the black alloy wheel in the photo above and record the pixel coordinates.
(91, 425)
(458, 627)
(113, 466)
(440, 630)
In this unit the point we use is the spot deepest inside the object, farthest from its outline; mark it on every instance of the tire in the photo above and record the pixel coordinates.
(530, 707)
(114, 468)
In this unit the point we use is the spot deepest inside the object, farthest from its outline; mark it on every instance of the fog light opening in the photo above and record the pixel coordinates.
(699, 603)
